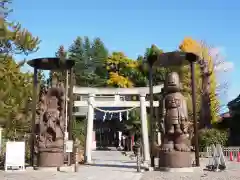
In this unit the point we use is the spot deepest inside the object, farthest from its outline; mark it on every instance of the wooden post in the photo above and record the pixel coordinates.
(34, 102)
(194, 113)
(70, 113)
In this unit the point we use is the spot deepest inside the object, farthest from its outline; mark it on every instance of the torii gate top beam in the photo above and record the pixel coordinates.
(113, 91)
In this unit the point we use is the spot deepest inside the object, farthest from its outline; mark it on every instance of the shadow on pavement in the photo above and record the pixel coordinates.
(113, 165)
(110, 160)
(103, 149)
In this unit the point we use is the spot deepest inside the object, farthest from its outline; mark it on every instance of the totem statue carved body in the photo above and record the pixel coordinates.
(50, 128)
(174, 116)
(175, 149)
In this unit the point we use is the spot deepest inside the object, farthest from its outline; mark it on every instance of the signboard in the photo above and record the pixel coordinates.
(69, 146)
(15, 155)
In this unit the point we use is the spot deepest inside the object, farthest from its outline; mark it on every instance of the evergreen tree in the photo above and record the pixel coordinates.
(89, 72)
(87, 55)
(58, 75)
(99, 57)
(89, 61)
(77, 53)
(159, 73)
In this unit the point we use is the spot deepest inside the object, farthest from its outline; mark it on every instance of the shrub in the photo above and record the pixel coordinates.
(79, 127)
(207, 137)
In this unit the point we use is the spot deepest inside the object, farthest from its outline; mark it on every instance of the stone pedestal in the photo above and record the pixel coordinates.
(51, 159)
(66, 169)
(175, 159)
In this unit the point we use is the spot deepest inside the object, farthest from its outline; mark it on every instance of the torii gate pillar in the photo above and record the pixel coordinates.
(89, 136)
(144, 124)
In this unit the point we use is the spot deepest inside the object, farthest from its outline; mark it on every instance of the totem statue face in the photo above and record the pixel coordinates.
(50, 118)
(54, 81)
(53, 103)
(172, 102)
(172, 82)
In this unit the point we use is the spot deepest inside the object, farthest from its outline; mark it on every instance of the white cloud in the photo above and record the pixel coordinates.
(225, 66)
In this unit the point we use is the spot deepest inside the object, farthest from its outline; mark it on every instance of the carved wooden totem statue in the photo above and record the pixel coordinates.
(50, 128)
(174, 119)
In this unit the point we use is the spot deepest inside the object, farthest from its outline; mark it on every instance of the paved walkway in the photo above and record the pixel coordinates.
(107, 165)
(231, 173)
(112, 165)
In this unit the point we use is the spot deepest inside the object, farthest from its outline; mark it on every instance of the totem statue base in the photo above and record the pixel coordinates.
(50, 159)
(175, 159)
(64, 168)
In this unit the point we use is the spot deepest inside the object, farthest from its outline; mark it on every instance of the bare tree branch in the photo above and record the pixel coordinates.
(217, 64)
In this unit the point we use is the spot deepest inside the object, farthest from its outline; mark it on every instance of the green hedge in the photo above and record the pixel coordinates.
(207, 137)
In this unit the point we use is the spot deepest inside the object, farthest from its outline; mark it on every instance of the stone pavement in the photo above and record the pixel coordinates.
(107, 165)
(112, 165)
(231, 173)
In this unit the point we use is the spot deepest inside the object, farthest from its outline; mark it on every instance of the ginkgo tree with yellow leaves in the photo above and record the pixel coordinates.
(125, 72)
(208, 102)
(119, 66)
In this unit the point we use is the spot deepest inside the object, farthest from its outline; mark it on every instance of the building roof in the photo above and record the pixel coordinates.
(234, 103)
(222, 116)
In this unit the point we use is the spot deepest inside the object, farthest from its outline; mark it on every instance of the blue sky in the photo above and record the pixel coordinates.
(132, 25)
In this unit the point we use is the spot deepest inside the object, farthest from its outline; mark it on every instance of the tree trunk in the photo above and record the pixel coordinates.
(205, 111)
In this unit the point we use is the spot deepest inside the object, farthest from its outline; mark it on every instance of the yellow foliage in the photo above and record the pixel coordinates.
(120, 81)
(118, 66)
(205, 54)
(118, 59)
(190, 45)
(133, 64)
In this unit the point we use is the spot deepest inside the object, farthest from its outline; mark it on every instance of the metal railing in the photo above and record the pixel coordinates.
(226, 151)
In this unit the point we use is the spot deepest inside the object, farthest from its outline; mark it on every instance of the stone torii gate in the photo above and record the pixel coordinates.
(91, 103)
